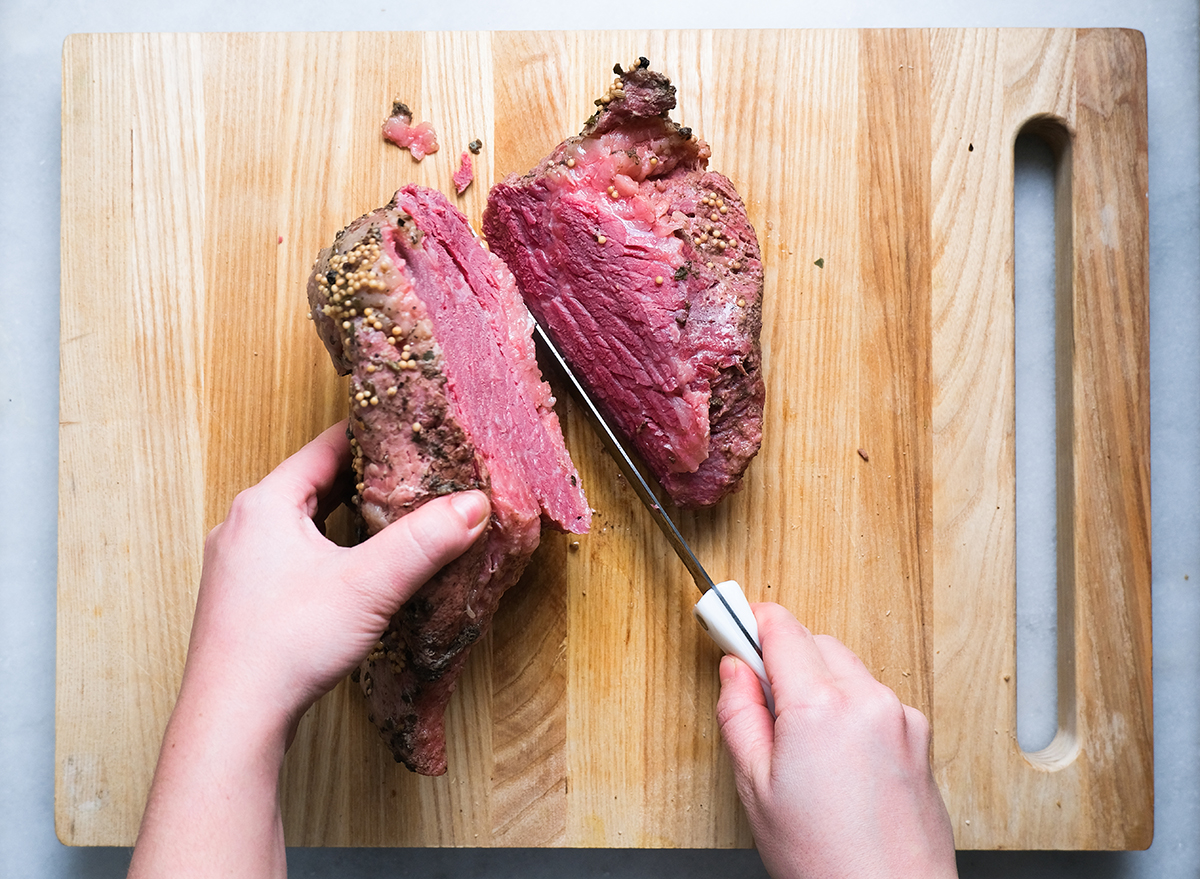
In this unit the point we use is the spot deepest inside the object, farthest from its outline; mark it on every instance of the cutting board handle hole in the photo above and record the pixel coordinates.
(1044, 606)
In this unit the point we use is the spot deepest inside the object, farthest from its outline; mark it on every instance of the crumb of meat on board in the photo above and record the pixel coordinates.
(464, 175)
(398, 128)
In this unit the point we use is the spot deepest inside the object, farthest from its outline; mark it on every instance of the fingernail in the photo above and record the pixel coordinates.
(472, 505)
(727, 668)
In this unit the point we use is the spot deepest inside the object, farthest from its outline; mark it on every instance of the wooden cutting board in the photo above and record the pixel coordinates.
(202, 173)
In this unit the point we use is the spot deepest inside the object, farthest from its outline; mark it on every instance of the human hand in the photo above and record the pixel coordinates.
(282, 615)
(838, 784)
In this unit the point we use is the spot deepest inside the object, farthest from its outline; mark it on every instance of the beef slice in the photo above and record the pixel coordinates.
(445, 395)
(643, 267)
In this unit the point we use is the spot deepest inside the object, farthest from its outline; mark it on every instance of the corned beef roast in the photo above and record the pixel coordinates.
(645, 270)
(445, 395)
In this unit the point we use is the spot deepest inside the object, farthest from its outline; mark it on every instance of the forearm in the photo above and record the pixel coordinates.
(213, 808)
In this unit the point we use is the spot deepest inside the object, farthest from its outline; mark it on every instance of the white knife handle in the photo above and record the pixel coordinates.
(714, 618)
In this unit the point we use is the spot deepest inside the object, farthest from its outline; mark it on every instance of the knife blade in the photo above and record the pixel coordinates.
(722, 611)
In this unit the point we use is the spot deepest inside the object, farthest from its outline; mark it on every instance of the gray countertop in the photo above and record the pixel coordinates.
(31, 35)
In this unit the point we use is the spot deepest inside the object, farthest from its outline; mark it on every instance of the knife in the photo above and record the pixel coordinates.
(722, 611)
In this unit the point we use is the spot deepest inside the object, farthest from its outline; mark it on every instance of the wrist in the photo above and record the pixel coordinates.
(221, 718)
(213, 808)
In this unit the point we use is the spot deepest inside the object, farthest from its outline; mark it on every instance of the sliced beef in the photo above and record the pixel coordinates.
(465, 174)
(445, 395)
(644, 268)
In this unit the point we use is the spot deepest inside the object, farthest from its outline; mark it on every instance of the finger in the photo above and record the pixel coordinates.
(412, 549)
(747, 727)
(310, 473)
(794, 663)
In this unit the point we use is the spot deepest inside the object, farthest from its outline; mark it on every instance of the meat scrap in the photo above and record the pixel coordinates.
(445, 395)
(645, 269)
(464, 175)
(419, 139)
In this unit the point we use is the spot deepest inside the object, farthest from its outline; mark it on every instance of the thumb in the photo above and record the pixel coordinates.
(747, 727)
(416, 546)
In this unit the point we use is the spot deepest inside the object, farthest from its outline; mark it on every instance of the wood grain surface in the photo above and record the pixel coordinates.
(201, 175)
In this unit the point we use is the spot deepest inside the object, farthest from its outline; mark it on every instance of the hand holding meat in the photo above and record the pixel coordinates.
(275, 594)
(839, 783)
(282, 615)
